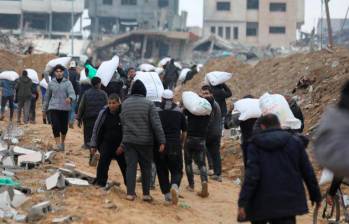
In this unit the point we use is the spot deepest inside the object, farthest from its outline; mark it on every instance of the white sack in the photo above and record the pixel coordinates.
(163, 61)
(43, 83)
(57, 61)
(33, 75)
(215, 78)
(147, 68)
(326, 177)
(183, 74)
(152, 83)
(107, 69)
(9, 75)
(196, 104)
(248, 108)
(277, 104)
(159, 70)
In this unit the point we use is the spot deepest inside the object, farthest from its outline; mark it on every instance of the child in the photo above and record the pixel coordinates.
(106, 138)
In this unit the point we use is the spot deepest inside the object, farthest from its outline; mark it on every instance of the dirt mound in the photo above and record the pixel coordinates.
(11, 61)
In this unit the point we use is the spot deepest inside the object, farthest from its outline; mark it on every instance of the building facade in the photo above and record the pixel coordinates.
(46, 17)
(119, 16)
(254, 22)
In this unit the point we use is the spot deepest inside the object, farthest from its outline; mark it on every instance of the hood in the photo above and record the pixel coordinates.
(138, 88)
(271, 140)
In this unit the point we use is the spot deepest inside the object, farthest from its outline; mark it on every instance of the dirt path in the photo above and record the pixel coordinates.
(87, 204)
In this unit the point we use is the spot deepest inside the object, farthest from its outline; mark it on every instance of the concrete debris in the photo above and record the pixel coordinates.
(33, 159)
(8, 173)
(5, 201)
(70, 166)
(110, 205)
(84, 175)
(66, 172)
(55, 181)
(237, 181)
(20, 218)
(64, 220)
(39, 210)
(18, 199)
(49, 156)
(22, 151)
(77, 182)
(8, 162)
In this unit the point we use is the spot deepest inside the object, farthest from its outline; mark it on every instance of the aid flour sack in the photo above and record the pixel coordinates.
(277, 104)
(147, 68)
(183, 74)
(43, 83)
(215, 78)
(326, 177)
(196, 104)
(33, 75)
(107, 69)
(9, 75)
(57, 61)
(248, 108)
(152, 83)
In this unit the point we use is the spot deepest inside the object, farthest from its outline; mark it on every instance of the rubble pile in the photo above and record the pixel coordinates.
(12, 43)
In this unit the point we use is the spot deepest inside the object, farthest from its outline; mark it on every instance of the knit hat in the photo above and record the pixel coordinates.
(138, 88)
(167, 94)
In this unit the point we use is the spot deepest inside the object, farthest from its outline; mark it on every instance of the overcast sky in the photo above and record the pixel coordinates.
(312, 11)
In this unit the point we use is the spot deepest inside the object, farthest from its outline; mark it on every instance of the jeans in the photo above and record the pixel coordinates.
(108, 153)
(287, 220)
(10, 100)
(24, 105)
(72, 112)
(169, 162)
(213, 145)
(143, 155)
(59, 119)
(195, 150)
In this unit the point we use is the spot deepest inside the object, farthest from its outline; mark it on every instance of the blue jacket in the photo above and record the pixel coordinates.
(276, 168)
(8, 87)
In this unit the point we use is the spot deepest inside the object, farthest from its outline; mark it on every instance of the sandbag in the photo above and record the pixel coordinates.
(57, 61)
(33, 75)
(248, 108)
(196, 104)
(9, 75)
(152, 83)
(326, 177)
(107, 69)
(147, 68)
(183, 74)
(215, 78)
(277, 104)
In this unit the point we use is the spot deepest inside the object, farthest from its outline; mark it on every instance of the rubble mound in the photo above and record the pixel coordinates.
(12, 61)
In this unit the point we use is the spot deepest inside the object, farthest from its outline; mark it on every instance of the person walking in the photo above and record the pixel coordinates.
(74, 78)
(59, 97)
(221, 93)
(8, 94)
(34, 98)
(92, 102)
(296, 110)
(141, 123)
(214, 134)
(171, 161)
(278, 164)
(195, 149)
(24, 95)
(106, 138)
(171, 75)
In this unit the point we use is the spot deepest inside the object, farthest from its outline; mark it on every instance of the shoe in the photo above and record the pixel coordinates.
(147, 198)
(210, 173)
(216, 178)
(190, 188)
(204, 190)
(174, 194)
(130, 197)
(168, 197)
(62, 147)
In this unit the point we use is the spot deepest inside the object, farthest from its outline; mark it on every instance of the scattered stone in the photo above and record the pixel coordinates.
(39, 210)
(66, 219)
(70, 166)
(8, 162)
(110, 205)
(22, 151)
(32, 158)
(56, 180)
(237, 181)
(18, 199)
(20, 218)
(49, 156)
(77, 182)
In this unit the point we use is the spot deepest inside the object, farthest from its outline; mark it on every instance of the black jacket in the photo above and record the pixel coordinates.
(297, 112)
(91, 103)
(221, 93)
(215, 125)
(74, 78)
(276, 168)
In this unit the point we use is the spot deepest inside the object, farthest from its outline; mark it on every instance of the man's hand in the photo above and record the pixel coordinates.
(162, 148)
(119, 151)
(68, 101)
(241, 215)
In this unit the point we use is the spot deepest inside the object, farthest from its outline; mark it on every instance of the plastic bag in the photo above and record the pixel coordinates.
(9, 75)
(147, 68)
(57, 61)
(33, 75)
(215, 78)
(152, 83)
(183, 74)
(195, 104)
(107, 69)
(248, 108)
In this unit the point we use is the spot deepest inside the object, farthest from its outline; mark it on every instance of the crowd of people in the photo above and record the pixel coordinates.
(120, 123)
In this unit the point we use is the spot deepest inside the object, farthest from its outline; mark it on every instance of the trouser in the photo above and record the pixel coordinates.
(244, 153)
(72, 112)
(153, 175)
(170, 84)
(213, 145)
(169, 162)
(143, 155)
(59, 120)
(88, 129)
(107, 154)
(10, 100)
(195, 150)
(287, 220)
(24, 105)
(32, 112)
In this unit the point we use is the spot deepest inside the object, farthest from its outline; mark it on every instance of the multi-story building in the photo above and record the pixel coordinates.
(47, 17)
(119, 16)
(254, 22)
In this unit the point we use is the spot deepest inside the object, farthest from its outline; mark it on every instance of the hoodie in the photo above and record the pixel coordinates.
(276, 167)
(24, 88)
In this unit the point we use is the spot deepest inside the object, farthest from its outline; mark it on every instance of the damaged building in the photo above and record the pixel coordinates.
(51, 18)
(113, 17)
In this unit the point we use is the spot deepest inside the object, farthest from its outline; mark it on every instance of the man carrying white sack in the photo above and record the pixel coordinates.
(195, 148)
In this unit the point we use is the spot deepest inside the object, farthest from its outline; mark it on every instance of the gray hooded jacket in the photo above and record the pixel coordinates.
(332, 141)
(56, 95)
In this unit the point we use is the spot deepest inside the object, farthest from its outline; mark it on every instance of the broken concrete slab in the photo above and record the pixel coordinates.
(18, 199)
(64, 220)
(67, 172)
(8, 161)
(20, 218)
(39, 210)
(33, 158)
(56, 180)
(77, 182)
(84, 175)
(22, 151)
(49, 156)
(5, 201)
(70, 166)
